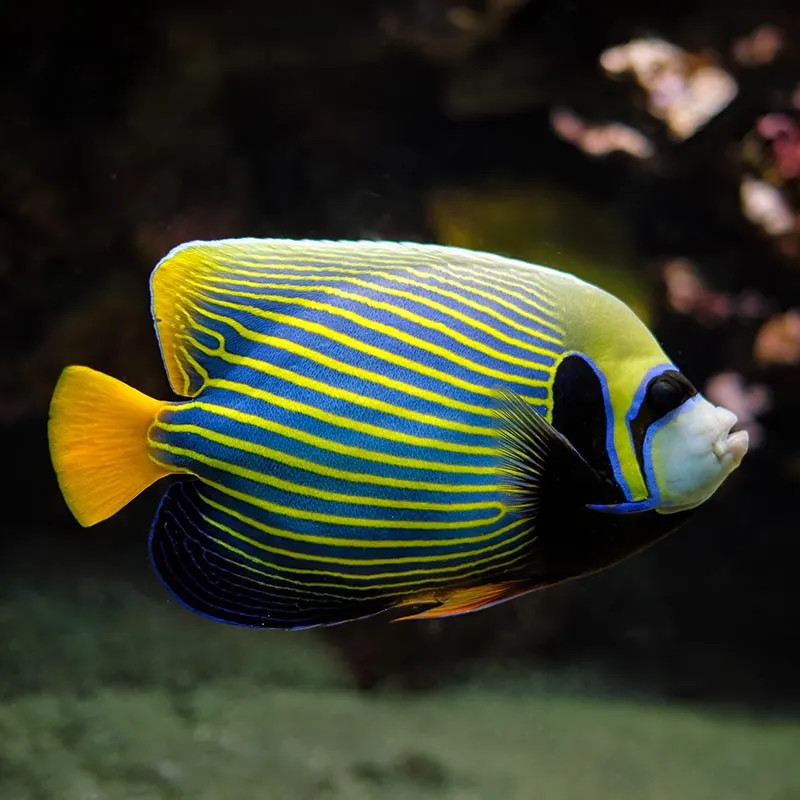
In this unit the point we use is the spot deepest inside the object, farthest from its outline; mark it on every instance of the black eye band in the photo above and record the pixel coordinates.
(664, 393)
(667, 391)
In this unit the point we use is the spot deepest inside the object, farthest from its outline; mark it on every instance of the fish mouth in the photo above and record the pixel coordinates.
(730, 448)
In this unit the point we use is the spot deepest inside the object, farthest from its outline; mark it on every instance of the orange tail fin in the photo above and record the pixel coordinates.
(98, 442)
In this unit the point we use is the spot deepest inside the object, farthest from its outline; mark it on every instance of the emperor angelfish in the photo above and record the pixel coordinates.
(373, 426)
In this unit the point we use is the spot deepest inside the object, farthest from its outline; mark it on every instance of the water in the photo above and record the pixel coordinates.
(670, 675)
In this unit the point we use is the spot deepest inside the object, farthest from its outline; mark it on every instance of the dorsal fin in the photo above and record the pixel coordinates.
(191, 326)
(187, 336)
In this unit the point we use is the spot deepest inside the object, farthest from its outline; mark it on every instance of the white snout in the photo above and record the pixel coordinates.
(692, 452)
(728, 447)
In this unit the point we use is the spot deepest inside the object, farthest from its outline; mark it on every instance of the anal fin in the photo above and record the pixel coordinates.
(211, 573)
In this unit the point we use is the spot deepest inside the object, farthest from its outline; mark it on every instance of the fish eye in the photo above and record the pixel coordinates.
(667, 391)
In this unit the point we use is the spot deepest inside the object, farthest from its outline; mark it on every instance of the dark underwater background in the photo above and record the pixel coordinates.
(507, 125)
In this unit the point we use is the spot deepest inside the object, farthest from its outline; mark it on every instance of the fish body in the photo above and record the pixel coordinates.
(370, 426)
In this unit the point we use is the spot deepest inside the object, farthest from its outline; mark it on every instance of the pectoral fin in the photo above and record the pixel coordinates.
(540, 464)
(462, 601)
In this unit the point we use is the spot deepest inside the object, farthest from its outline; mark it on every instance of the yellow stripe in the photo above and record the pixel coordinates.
(198, 367)
(344, 367)
(403, 313)
(347, 423)
(540, 296)
(367, 544)
(396, 333)
(310, 491)
(519, 274)
(331, 391)
(439, 307)
(366, 562)
(320, 469)
(361, 346)
(488, 310)
(533, 300)
(471, 264)
(429, 579)
(184, 375)
(337, 519)
(326, 444)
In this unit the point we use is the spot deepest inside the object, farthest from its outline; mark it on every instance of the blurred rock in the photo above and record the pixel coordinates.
(684, 89)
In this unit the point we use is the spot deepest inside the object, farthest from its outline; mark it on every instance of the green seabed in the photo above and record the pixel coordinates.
(108, 693)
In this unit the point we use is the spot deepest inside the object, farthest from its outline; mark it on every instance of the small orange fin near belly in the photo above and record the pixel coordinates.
(462, 601)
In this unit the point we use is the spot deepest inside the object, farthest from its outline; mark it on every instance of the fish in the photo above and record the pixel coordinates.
(371, 427)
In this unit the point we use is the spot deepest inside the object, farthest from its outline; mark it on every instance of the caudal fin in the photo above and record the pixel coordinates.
(98, 442)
